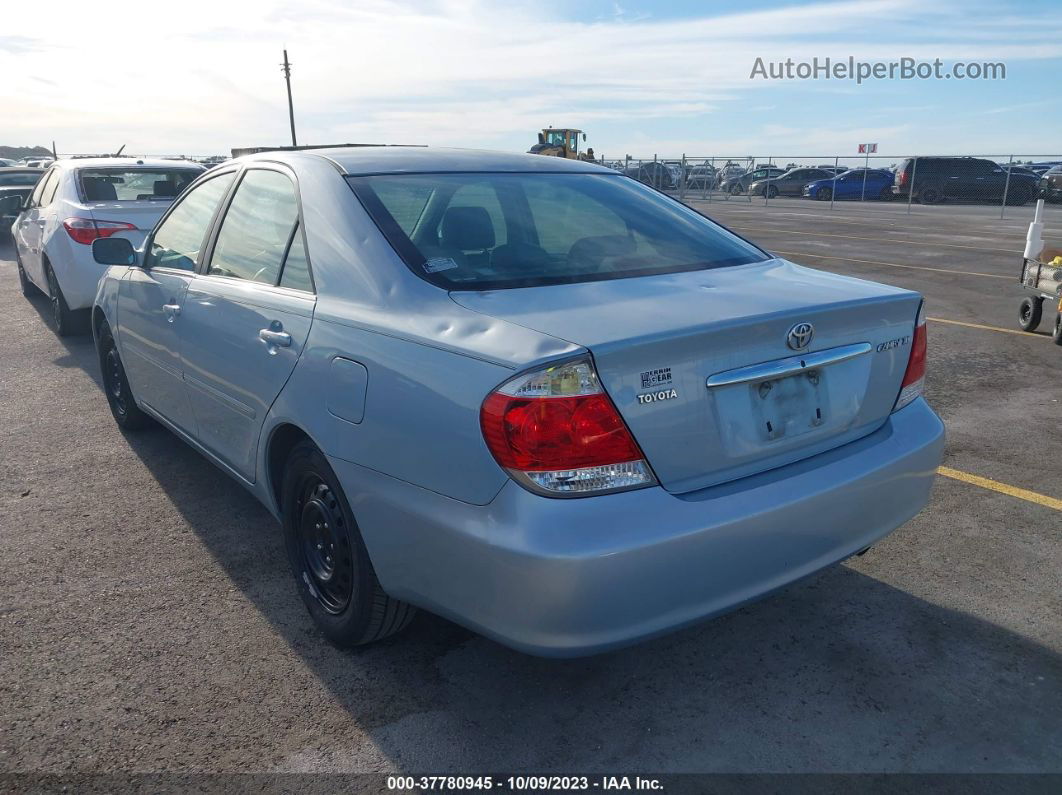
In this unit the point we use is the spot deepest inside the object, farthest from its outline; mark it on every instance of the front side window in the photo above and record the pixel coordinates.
(178, 240)
(258, 228)
(480, 231)
(134, 184)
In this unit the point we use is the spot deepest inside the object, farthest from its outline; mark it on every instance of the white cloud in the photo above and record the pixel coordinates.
(204, 76)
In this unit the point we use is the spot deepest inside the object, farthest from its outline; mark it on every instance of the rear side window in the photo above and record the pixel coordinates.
(44, 184)
(296, 273)
(133, 184)
(480, 231)
(179, 238)
(53, 185)
(259, 227)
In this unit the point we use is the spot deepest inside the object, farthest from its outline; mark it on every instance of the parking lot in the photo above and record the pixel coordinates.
(148, 619)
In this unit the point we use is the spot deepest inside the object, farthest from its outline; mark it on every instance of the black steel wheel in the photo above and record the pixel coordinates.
(1029, 313)
(328, 558)
(116, 385)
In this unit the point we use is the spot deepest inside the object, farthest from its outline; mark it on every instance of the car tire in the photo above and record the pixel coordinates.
(885, 194)
(1056, 334)
(770, 191)
(29, 289)
(930, 194)
(824, 194)
(116, 385)
(735, 190)
(332, 570)
(63, 319)
(1029, 313)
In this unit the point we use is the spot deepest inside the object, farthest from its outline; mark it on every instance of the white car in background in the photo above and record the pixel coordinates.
(76, 202)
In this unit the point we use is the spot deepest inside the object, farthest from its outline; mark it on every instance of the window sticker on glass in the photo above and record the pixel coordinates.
(436, 264)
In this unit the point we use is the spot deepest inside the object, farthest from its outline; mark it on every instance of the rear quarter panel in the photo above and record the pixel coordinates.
(420, 420)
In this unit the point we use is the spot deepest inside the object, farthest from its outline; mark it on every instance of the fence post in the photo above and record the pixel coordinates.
(710, 180)
(656, 175)
(767, 189)
(833, 188)
(682, 185)
(910, 188)
(1006, 187)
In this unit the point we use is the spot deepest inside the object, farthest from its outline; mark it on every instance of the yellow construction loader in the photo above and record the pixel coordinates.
(561, 143)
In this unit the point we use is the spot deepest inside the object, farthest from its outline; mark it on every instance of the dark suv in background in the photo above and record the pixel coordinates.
(936, 179)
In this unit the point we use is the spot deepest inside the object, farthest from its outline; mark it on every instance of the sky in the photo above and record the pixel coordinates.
(641, 78)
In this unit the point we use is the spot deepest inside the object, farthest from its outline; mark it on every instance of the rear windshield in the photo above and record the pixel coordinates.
(482, 231)
(133, 184)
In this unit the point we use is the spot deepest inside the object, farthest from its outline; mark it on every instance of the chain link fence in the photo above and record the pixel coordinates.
(1005, 182)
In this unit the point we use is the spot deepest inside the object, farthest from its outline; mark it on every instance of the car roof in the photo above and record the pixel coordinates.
(20, 169)
(125, 162)
(365, 160)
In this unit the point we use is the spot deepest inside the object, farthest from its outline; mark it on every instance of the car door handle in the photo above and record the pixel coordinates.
(171, 310)
(280, 339)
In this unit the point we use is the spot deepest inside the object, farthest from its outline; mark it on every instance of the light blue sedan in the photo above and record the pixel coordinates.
(528, 394)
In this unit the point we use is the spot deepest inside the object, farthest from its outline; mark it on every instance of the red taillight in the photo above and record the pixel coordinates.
(548, 433)
(903, 178)
(557, 432)
(85, 230)
(914, 377)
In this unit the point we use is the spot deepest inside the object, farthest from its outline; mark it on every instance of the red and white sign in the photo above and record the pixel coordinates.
(868, 149)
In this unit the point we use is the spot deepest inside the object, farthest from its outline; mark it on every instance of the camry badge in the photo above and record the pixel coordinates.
(800, 336)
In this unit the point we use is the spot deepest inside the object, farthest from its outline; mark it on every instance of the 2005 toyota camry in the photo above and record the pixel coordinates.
(526, 393)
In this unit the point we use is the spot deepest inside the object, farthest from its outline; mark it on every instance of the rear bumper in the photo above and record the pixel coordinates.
(572, 577)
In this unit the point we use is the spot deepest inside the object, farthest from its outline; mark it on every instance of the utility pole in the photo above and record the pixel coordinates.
(286, 69)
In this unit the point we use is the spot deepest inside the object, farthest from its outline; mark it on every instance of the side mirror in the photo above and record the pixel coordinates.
(584, 136)
(113, 251)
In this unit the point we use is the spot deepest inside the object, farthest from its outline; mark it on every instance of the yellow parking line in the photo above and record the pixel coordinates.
(1002, 488)
(768, 229)
(892, 264)
(987, 328)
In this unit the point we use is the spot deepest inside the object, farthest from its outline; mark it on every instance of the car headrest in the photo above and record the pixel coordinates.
(467, 229)
(163, 187)
(99, 190)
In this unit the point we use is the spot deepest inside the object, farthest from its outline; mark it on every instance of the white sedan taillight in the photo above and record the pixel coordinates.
(557, 433)
(85, 230)
(915, 377)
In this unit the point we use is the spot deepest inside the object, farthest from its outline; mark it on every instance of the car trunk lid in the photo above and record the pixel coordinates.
(699, 366)
(141, 213)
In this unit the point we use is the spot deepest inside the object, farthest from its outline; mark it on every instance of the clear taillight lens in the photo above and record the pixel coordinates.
(557, 433)
(915, 377)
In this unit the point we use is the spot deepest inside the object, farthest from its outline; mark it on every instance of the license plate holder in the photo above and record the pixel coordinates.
(789, 406)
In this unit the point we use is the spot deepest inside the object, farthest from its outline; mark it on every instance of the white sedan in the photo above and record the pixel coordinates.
(76, 202)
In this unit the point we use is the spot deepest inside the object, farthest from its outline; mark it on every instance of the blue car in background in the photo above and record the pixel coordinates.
(850, 185)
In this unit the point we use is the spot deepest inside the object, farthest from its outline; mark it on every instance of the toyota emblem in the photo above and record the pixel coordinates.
(800, 336)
